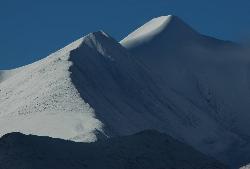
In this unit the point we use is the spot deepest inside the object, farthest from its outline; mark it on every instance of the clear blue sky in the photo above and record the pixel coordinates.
(32, 29)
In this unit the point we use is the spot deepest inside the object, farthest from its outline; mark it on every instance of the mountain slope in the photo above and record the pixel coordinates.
(41, 99)
(166, 76)
(171, 30)
(94, 88)
(170, 27)
(212, 74)
(127, 99)
(144, 150)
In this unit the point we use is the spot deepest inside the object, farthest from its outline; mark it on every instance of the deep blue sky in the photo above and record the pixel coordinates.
(32, 29)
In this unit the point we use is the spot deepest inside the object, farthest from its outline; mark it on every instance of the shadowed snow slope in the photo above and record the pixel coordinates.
(126, 99)
(213, 75)
(168, 77)
(95, 88)
(145, 150)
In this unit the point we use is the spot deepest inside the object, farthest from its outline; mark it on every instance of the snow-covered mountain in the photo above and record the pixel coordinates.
(41, 99)
(213, 75)
(144, 150)
(164, 76)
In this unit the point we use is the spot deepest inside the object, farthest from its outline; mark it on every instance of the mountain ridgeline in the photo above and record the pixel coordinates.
(163, 76)
(145, 150)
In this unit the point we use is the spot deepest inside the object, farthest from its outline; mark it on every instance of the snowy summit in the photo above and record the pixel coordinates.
(164, 76)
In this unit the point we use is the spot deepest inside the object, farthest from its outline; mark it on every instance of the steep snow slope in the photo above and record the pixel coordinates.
(168, 27)
(147, 31)
(41, 99)
(176, 81)
(144, 150)
(127, 99)
(212, 74)
(94, 88)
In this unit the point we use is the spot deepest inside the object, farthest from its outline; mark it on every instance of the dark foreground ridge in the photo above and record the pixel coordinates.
(145, 150)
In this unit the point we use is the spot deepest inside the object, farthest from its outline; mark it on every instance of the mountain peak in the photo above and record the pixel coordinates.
(102, 43)
(166, 19)
(169, 25)
(96, 39)
(97, 34)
